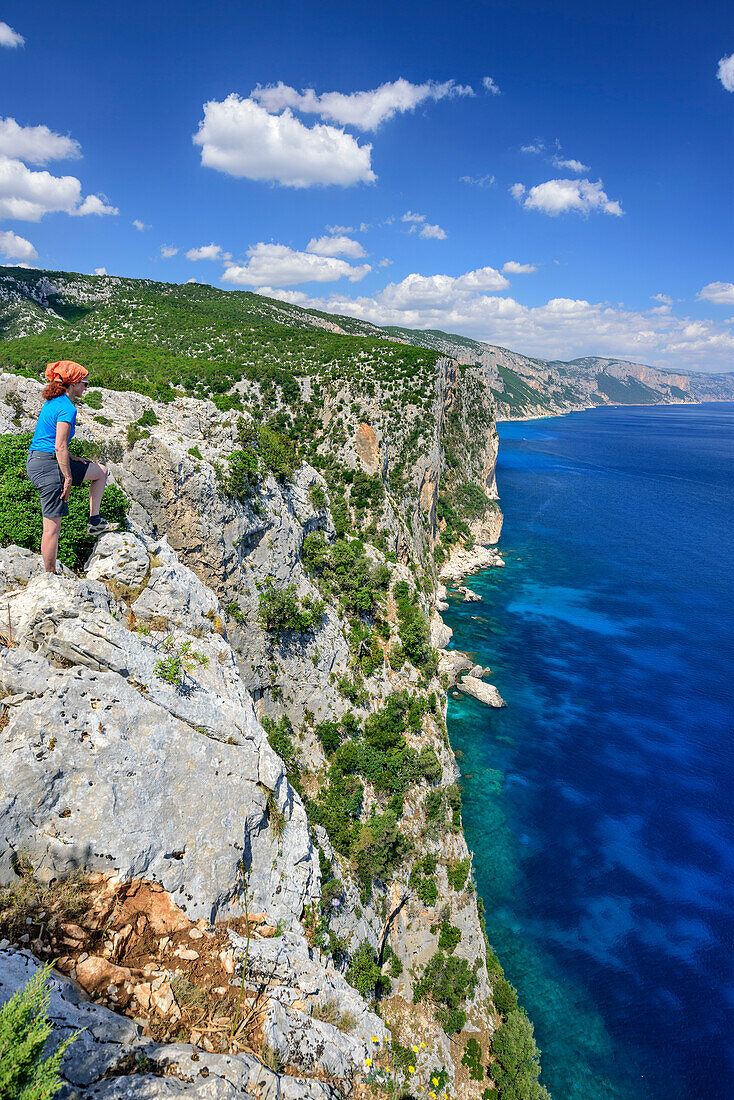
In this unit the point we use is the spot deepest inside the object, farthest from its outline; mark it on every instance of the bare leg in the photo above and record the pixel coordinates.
(50, 542)
(97, 476)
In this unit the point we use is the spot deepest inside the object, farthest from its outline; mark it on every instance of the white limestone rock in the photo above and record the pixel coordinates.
(485, 693)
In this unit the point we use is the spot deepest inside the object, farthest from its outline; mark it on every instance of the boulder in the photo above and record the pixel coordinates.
(485, 693)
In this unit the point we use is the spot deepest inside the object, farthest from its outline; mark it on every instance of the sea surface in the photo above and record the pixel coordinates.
(598, 803)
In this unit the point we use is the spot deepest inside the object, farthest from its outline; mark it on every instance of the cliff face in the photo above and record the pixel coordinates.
(353, 851)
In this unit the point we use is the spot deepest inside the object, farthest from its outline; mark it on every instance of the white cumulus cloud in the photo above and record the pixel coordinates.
(363, 110)
(434, 231)
(208, 252)
(409, 216)
(562, 328)
(276, 265)
(240, 137)
(95, 204)
(35, 144)
(512, 267)
(571, 164)
(489, 86)
(168, 250)
(100, 271)
(9, 37)
(558, 196)
(725, 72)
(26, 195)
(336, 246)
(720, 293)
(14, 247)
(140, 226)
(537, 146)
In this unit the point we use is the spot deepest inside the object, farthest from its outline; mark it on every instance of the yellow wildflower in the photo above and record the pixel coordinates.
(423, 1046)
(368, 1061)
(411, 1069)
(432, 1095)
(375, 1039)
(414, 1049)
(434, 1082)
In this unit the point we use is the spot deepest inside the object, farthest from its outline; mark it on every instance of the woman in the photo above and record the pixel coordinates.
(52, 469)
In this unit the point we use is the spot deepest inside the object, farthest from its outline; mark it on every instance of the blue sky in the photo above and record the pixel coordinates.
(399, 162)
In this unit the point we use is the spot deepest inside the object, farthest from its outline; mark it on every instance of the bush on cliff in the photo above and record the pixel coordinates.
(447, 981)
(20, 507)
(344, 570)
(282, 612)
(517, 1066)
(24, 1030)
(414, 632)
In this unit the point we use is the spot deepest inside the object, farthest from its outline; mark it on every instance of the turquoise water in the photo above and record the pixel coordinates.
(598, 802)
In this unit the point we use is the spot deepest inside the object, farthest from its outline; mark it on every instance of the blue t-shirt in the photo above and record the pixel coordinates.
(57, 410)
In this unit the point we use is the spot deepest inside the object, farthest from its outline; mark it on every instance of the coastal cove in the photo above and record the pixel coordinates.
(597, 802)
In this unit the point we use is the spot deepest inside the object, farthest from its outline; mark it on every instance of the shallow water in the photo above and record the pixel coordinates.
(598, 802)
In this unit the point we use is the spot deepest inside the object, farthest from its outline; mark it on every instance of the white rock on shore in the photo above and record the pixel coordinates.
(485, 693)
(469, 595)
(462, 562)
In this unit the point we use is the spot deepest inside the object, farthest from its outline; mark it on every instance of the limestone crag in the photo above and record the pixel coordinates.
(184, 585)
(191, 801)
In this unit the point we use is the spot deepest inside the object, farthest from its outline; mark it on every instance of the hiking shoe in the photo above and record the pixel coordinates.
(101, 527)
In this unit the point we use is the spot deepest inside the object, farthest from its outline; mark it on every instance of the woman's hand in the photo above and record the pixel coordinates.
(67, 488)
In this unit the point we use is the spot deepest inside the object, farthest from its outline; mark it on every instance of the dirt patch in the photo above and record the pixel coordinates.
(129, 947)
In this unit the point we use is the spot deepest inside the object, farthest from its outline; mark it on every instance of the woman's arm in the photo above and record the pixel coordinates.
(63, 431)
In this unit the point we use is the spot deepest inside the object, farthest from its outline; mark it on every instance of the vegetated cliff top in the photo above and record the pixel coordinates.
(202, 340)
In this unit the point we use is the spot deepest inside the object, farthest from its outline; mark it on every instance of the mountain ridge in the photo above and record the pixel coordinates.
(40, 309)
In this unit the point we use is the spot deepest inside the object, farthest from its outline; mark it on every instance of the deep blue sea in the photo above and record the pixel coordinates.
(599, 802)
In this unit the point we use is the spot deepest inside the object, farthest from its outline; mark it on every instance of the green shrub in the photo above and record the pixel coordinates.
(317, 496)
(20, 507)
(234, 612)
(447, 981)
(380, 847)
(280, 738)
(138, 429)
(344, 570)
(517, 1066)
(178, 661)
(282, 612)
(457, 874)
(93, 398)
(472, 1059)
(195, 452)
(504, 996)
(241, 477)
(363, 973)
(449, 937)
(24, 1029)
(414, 632)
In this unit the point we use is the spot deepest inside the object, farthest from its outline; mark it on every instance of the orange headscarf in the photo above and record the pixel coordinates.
(66, 372)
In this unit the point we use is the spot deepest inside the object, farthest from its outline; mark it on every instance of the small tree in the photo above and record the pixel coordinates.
(24, 1028)
(517, 1067)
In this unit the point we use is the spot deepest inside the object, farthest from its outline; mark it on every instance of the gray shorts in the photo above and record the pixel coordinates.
(44, 471)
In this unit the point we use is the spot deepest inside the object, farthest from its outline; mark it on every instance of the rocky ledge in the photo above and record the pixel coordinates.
(131, 749)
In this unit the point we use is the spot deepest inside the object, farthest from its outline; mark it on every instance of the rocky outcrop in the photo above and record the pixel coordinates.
(478, 689)
(462, 562)
(166, 779)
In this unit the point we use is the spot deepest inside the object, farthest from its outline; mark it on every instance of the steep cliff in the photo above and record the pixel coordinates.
(240, 696)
